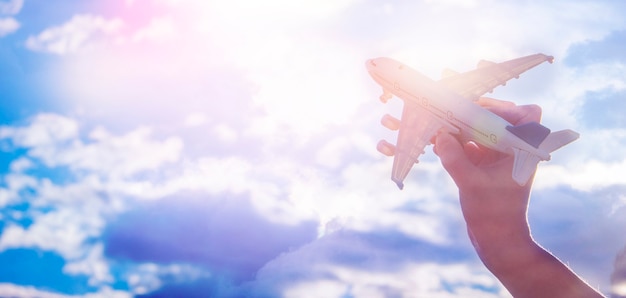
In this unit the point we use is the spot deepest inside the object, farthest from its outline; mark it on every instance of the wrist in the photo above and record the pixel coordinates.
(504, 249)
(496, 222)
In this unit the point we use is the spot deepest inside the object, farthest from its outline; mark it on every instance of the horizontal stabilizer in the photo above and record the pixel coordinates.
(532, 133)
(558, 139)
(524, 166)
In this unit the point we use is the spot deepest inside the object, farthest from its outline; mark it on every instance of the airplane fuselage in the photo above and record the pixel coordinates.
(461, 115)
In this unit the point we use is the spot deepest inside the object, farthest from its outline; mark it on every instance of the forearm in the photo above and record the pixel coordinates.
(524, 267)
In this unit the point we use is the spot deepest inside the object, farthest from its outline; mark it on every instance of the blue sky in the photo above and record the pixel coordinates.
(159, 148)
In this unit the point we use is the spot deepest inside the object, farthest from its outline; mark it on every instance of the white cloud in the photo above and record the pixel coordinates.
(116, 156)
(286, 192)
(301, 82)
(11, 7)
(53, 139)
(73, 35)
(324, 288)
(8, 26)
(165, 2)
(15, 183)
(12, 290)
(491, 29)
(63, 231)
(18, 291)
(196, 119)
(226, 133)
(93, 265)
(381, 271)
(306, 84)
(452, 3)
(587, 176)
(80, 208)
(147, 277)
(20, 165)
(592, 162)
(411, 280)
(271, 12)
(18, 182)
(333, 152)
(107, 292)
(569, 87)
(5, 196)
(281, 189)
(160, 29)
(44, 130)
(337, 150)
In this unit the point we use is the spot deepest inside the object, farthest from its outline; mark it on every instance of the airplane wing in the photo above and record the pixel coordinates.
(417, 127)
(488, 75)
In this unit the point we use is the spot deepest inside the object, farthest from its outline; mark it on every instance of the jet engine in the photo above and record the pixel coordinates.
(386, 148)
(390, 122)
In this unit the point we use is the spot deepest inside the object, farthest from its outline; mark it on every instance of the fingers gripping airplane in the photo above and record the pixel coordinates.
(449, 104)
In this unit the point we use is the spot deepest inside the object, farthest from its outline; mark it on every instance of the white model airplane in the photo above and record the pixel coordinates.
(449, 103)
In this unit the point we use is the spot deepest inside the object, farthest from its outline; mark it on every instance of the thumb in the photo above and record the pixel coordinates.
(452, 156)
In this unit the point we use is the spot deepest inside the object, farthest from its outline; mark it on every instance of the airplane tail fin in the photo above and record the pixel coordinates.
(525, 162)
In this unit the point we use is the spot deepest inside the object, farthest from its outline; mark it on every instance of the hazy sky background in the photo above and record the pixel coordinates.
(159, 148)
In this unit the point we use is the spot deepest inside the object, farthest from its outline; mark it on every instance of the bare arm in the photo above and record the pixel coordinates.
(494, 208)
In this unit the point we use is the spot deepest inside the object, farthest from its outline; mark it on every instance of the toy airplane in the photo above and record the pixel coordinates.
(448, 103)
